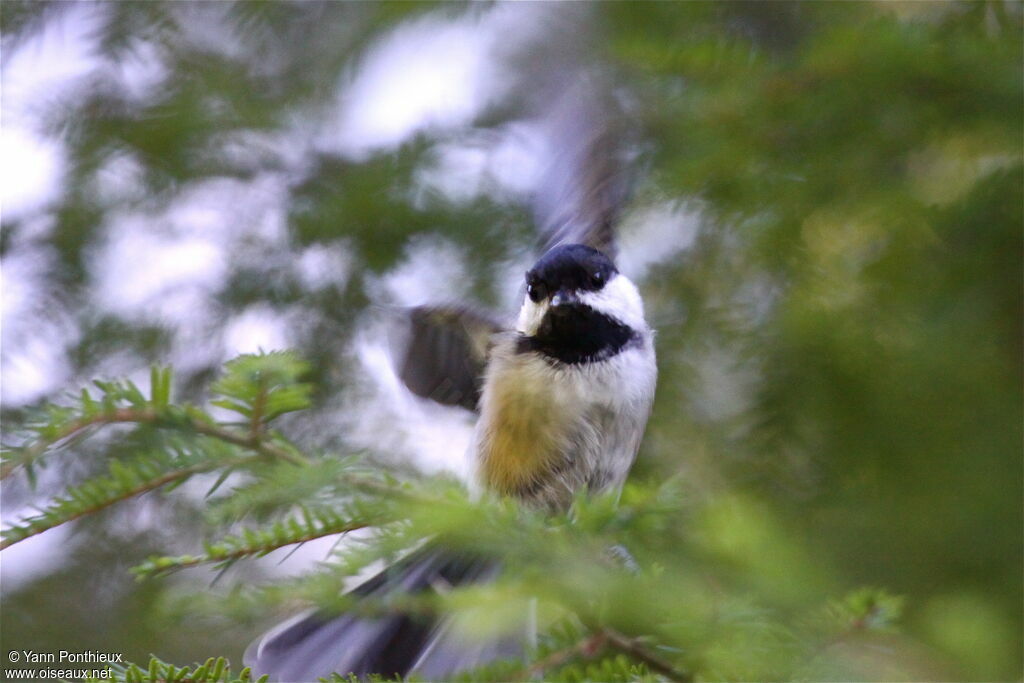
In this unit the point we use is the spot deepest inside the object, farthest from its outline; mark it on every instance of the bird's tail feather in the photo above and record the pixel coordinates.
(316, 644)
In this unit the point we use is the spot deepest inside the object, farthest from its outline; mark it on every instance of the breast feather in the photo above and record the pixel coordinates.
(522, 427)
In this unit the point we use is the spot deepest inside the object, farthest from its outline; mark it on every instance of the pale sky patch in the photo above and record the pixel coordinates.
(143, 274)
(321, 265)
(504, 162)
(433, 271)
(430, 73)
(33, 558)
(257, 328)
(656, 234)
(30, 171)
(40, 70)
(36, 367)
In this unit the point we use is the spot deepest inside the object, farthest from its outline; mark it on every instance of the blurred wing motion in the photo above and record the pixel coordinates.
(585, 183)
(579, 196)
(446, 352)
(317, 644)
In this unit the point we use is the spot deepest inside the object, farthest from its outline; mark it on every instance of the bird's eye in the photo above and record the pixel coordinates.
(534, 292)
(597, 278)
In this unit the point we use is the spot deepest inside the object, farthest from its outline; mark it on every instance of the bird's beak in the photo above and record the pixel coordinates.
(564, 297)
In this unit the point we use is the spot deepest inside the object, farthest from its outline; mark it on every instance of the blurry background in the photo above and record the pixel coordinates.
(827, 230)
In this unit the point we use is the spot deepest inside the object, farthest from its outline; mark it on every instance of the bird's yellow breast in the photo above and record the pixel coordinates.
(523, 434)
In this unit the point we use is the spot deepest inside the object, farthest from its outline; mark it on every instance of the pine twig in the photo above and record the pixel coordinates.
(125, 495)
(635, 649)
(148, 416)
(588, 647)
(603, 638)
(187, 561)
(256, 419)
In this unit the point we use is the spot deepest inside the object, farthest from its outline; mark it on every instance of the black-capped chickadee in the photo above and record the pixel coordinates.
(563, 399)
(566, 395)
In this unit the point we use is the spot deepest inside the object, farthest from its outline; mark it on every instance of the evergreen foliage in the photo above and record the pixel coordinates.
(612, 604)
(830, 485)
(213, 670)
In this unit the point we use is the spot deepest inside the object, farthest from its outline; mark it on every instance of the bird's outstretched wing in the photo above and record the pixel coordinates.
(445, 352)
(586, 180)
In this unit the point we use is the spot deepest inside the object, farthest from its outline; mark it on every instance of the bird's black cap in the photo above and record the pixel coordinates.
(574, 267)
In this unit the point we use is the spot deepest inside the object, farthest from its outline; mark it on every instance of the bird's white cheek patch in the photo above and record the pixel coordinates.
(619, 299)
(530, 316)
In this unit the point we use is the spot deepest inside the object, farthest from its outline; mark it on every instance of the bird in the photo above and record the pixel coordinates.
(562, 394)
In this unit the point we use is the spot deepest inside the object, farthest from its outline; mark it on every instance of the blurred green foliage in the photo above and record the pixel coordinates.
(839, 399)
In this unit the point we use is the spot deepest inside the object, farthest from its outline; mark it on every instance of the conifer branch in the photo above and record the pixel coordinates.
(160, 419)
(255, 543)
(259, 387)
(587, 648)
(604, 638)
(157, 671)
(90, 499)
(635, 649)
(256, 419)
